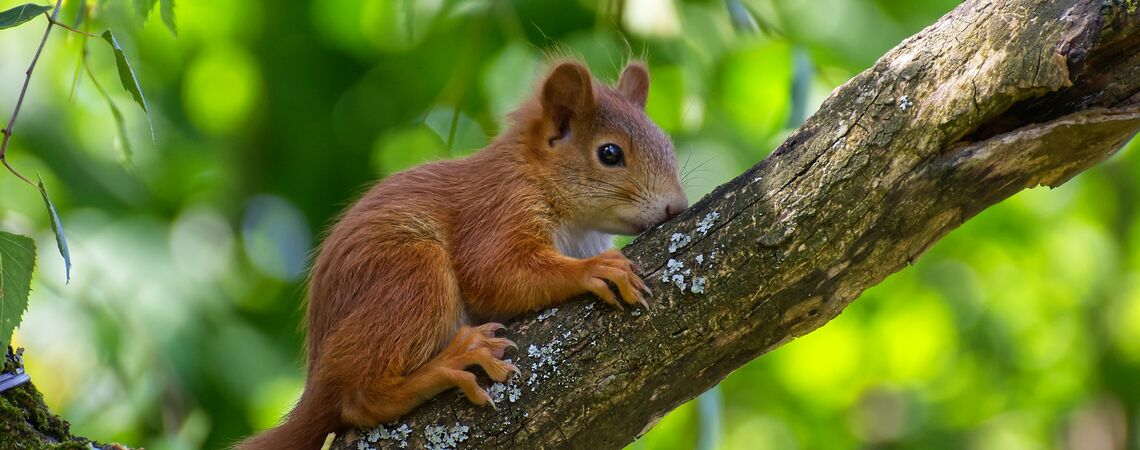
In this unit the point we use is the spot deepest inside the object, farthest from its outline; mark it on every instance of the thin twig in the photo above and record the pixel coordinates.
(69, 28)
(78, 71)
(20, 101)
(82, 62)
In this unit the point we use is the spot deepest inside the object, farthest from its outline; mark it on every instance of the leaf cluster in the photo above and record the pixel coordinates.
(17, 253)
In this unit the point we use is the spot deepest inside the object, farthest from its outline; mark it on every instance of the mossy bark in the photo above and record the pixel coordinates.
(996, 97)
(27, 423)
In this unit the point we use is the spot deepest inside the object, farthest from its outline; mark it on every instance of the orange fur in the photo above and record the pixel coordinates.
(409, 269)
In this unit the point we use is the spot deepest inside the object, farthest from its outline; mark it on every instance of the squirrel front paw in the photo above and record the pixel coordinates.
(614, 267)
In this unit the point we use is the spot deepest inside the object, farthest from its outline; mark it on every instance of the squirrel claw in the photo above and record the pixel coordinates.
(643, 288)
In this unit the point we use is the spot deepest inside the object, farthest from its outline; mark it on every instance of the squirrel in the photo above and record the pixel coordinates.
(409, 286)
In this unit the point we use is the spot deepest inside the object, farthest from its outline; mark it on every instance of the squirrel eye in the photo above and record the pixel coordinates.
(611, 155)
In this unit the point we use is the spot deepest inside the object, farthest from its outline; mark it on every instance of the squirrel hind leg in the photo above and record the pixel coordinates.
(409, 307)
(396, 396)
(409, 340)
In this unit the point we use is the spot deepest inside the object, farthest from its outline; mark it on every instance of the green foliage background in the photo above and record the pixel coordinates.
(180, 327)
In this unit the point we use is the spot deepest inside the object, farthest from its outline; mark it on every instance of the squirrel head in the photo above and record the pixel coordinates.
(610, 168)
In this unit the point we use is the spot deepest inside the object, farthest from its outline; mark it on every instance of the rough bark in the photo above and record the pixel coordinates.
(995, 97)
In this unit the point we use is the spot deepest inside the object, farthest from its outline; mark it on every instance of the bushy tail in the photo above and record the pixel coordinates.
(305, 428)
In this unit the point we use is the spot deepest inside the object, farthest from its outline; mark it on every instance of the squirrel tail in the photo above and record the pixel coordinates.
(305, 428)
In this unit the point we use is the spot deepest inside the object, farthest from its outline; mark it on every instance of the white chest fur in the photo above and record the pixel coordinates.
(578, 243)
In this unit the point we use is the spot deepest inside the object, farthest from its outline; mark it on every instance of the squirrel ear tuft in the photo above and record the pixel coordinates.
(634, 83)
(567, 94)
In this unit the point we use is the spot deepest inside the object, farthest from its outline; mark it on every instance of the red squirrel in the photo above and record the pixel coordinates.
(407, 289)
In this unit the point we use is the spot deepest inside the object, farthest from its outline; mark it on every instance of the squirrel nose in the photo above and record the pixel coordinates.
(675, 208)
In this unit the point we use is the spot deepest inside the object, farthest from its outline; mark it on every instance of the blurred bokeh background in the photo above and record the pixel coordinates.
(180, 326)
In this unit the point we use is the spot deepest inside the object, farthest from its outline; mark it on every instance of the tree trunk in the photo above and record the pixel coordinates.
(995, 97)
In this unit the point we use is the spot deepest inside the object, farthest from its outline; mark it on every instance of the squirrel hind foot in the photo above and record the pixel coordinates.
(478, 346)
(394, 397)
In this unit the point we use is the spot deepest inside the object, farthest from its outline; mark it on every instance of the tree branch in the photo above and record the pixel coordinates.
(7, 131)
(995, 97)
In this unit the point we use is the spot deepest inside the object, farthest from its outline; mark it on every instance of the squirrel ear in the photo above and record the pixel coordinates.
(634, 83)
(567, 94)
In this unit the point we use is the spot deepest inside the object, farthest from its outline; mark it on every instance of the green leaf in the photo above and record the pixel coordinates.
(142, 9)
(80, 14)
(57, 228)
(17, 260)
(127, 77)
(121, 126)
(21, 14)
(120, 121)
(168, 14)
